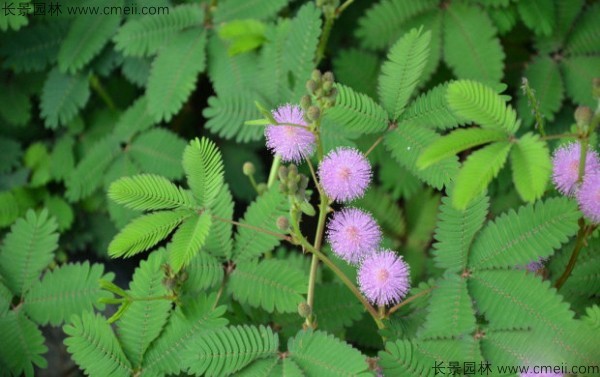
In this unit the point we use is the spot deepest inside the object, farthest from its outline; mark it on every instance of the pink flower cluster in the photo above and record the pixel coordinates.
(565, 176)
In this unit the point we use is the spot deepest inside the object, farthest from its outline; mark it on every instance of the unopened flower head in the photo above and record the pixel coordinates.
(588, 196)
(345, 174)
(353, 234)
(384, 278)
(565, 171)
(292, 142)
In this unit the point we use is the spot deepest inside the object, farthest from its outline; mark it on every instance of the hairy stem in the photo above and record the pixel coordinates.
(582, 235)
(314, 264)
(408, 300)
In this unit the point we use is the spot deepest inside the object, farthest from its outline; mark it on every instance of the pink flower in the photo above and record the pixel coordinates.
(566, 167)
(345, 174)
(353, 234)
(294, 142)
(588, 196)
(384, 278)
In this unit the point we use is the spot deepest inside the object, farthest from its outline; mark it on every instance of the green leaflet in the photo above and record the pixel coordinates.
(158, 151)
(357, 112)
(145, 232)
(94, 346)
(456, 142)
(143, 321)
(204, 271)
(402, 358)
(188, 240)
(174, 72)
(149, 192)
(244, 9)
(531, 166)
(203, 167)
(516, 239)
(538, 15)
(62, 98)
(270, 284)
(402, 70)
(478, 171)
(227, 350)
(66, 291)
(86, 38)
(479, 103)
(456, 230)
(320, 354)
(358, 70)
(145, 35)
(27, 250)
(471, 47)
(584, 39)
(431, 110)
(22, 345)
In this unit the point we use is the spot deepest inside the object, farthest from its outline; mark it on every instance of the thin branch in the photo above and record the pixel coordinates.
(408, 300)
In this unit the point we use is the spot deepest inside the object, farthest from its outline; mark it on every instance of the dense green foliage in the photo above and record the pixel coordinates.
(123, 139)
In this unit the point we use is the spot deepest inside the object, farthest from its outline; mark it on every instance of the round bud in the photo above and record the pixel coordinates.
(292, 171)
(283, 223)
(328, 76)
(327, 86)
(303, 182)
(282, 173)
(583, 115)
(305, 102)
(291, 187)
(314, 113)
(316, 75)
(311, 86)
(248, 168)
(262, 188)
(304, 309)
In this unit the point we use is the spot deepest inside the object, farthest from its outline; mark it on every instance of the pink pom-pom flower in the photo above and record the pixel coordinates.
(565, 172)
(345, 174)
(588, 196)
(353, 234)
(384, 278)
(293, 142)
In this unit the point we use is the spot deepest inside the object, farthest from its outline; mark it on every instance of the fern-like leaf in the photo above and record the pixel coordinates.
(586, 33)
(227, 113)
(455, 232)
(27, 250)
(579, 72)
(402, 71)
(479, 103)
(335, 307)
(301, 47)
(471, 47)
(188, 240)
(187, 322)
(88, 174)
(538, 15)
(174, 73)
(407, 142)
(383, 23)
(451, 313)
(204, 271)
(94, 346)
(32, 48)
(219, 241)
(478, 171)
(62, 97)
(544, 77)
(357, 69)
(516, 239)
(65, 291)
(225, 351)
(230, 10)
(146, 231)
(134, 120)
(262, 213)
(22, 345)
(149, 192)
(145, 35)
(531, 166)
(357, 112)
(385, 209)
(87, 36)
(271, 284)
(158, 151)
(203, 167)
(431, 110)
(320, 354)
(143, 320)
(456, 142)
(402, 358)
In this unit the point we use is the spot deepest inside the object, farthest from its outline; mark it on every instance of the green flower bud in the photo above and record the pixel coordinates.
(314, 113)
(282, 173)
(304, 310)
(248, 168)
(327, 86)
(328, 76)
(261, 188)
(305, 102)
(311, 86)
(283, 223)
(583, 115)
(316, 75)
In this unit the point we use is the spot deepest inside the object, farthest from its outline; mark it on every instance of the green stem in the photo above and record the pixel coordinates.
(324, 38)
(244, 225)
(582, 158)
(253, 182)
(408, 300)
(274, 169)
(99, 89)
(314, 264)
(558, 136)
(584, 232)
